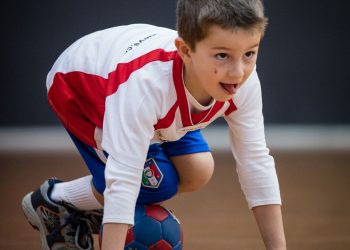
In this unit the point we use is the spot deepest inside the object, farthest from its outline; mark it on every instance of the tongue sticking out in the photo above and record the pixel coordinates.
(230, 88)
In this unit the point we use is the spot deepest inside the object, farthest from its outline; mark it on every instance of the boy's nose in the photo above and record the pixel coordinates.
(236, 72)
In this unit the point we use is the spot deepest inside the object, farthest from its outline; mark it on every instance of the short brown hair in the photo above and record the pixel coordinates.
(194, 17)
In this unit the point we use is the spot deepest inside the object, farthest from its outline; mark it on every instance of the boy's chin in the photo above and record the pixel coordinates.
(224, 98)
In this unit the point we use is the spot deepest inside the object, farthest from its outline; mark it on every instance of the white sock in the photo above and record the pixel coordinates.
(77, 192)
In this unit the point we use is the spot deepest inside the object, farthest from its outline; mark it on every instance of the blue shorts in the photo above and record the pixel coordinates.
(160, 179)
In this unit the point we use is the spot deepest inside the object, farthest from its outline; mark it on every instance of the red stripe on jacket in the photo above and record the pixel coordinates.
(79, 98)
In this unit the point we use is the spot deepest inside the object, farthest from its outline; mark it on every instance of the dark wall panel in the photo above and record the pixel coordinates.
(303, 63)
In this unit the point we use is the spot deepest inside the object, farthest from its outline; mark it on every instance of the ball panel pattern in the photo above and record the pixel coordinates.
(161, 245)
(157, 212)
(156, 228)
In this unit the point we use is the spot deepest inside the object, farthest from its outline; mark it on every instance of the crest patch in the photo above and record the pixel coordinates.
(152, 176)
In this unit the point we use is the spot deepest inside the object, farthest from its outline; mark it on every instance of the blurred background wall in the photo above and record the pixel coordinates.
(303, 63)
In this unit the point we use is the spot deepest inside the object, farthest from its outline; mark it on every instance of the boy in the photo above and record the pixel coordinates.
(136, 96)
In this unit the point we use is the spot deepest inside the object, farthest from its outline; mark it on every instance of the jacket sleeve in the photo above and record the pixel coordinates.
(254, 165)
(127, 130)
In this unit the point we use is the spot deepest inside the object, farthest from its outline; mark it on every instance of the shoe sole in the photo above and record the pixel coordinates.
(33, 219)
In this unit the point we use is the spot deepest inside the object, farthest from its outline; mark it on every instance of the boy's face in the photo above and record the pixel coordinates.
(220, 64)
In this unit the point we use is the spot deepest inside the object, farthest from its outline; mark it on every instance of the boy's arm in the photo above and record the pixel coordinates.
(114, 235)
(270, 223)
(255, 166)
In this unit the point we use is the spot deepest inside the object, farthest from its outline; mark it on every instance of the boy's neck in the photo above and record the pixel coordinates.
(189, 82)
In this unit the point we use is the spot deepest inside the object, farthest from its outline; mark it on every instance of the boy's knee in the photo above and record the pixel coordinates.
(197, 181)
(195, 171)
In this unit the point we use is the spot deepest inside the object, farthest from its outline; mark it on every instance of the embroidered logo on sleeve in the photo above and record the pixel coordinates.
(152, 176)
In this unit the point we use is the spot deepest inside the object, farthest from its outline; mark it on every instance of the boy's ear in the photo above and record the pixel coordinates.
(183, 49)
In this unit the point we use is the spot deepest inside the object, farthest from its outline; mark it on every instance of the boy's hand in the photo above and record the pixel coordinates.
(269, 220)
(114, 235)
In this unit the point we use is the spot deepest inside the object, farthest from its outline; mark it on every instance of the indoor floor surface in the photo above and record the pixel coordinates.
(315, 188)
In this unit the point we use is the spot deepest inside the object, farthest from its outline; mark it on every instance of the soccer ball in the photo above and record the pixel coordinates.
(156, 228)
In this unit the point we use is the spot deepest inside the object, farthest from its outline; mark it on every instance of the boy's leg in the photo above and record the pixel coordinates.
(159, 180)
(192, 159)
(194, 170)
(172, 167)
(77, 192)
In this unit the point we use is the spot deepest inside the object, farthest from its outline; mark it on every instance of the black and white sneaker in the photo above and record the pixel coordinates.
(61, 226)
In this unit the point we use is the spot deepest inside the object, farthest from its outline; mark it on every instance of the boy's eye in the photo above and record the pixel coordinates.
(249, 54)
(221, 56)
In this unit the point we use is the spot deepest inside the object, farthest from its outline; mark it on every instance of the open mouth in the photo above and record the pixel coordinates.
(230, 88)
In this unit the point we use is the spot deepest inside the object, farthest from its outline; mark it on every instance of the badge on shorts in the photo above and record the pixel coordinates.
(152, 176)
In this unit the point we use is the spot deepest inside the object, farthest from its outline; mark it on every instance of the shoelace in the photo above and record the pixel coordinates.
(77, 230)
(94, 218)
(83, 235)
